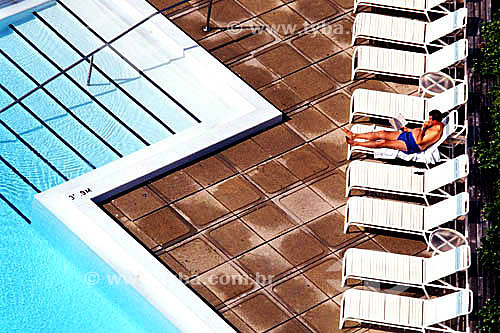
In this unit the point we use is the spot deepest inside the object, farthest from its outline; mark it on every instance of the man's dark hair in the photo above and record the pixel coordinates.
(436, 115)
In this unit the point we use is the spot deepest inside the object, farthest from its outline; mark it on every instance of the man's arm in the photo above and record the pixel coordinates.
(428, 138)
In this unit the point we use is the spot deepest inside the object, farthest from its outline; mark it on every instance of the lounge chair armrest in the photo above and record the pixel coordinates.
(471, 301)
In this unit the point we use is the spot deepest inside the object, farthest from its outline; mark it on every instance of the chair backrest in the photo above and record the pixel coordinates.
(447, 263)
(446, 25)
(447, 307)
(446, 173)
(405, 4)
(446, 210)
(449, 99)
(447, 56)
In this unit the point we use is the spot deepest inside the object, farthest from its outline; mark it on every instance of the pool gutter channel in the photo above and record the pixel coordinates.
(74, 203)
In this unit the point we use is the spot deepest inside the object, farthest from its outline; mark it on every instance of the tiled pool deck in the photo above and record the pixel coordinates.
(272, 204)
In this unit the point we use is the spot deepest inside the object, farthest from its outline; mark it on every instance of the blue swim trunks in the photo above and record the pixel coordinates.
(411, 145)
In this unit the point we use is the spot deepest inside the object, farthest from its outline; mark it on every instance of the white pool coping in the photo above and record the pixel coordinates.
(17, 11)
(107, 238)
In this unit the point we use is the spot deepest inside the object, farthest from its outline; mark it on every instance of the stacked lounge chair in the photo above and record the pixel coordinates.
(402, 181)
(406, 64)
(400, 30)
(412, 6)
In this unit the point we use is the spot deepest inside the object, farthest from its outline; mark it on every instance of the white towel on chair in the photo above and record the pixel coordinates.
(429, 156)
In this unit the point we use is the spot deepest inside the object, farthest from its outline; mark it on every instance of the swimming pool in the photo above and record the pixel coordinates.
(55, 128)
(59, 133)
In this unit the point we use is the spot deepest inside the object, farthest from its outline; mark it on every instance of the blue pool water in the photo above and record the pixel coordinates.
(59, 133)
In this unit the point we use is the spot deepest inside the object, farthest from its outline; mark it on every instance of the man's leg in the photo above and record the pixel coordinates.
(393, 144)
(373, 136)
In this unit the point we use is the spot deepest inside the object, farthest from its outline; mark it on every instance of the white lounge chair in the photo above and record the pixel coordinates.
(370, 26)
(386, 105)
(429, 156)
(418, 6)
(400, 269)
(404, 312)
(403, 216)
(403, 180)
(378, 60)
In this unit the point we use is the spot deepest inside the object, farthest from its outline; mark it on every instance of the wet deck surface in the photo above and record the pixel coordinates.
(273, 204)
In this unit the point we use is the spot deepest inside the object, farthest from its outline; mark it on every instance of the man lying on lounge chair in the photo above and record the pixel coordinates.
(409, 141)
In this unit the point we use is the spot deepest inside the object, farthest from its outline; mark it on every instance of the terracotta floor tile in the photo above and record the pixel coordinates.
(215, 40)
(192, 24)
(341, 33)
(272, 176)
(175, 266)
(278, 139)
(226, 282)
(240, 325)
(281, 96)
(138, 202)
(336, 107)
(311, 123)
(368, 244)
(298, 247)
(314, 10)
(332, 189)
(115, 212)
(264, 264)
(160, 4)
(404, 88)
(268, 221)
(260, 6)
(346, 4)
(309, 82)
(141, 235)
(229, 51)
(315, 45)
(327, 276)
(235, 238)
(371, 85)
(225, 12)
(197, 256)
(236, 193)
(339, 67)
(304, 162)
(205, 293)
(257, 40)
(330, 228)
(284, 20)
(176, 185)
(305, 204)
(164, 226)
(253, 72)
(260, 313)
(245, 154)
(398, 243)
(291, 326)
(209, 171)
(299, 293)
(324, 317)
(334, 146)
(201, 208)
(274, 60)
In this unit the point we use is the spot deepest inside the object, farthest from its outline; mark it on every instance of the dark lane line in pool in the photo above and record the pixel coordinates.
(19, 174)
(106, 76)
(14, 208)
(33, 150)
(65, 108)
(121, 122)
(50, 129)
